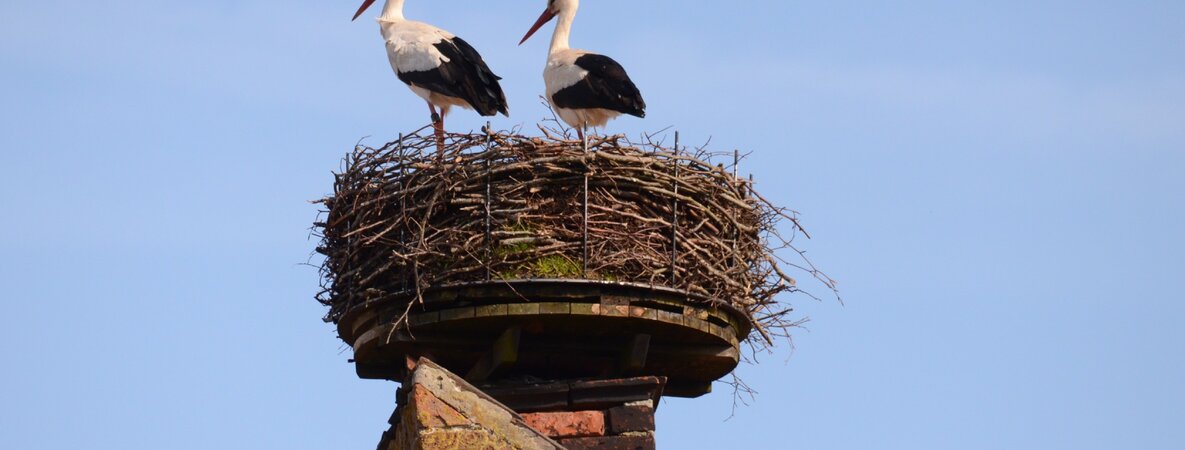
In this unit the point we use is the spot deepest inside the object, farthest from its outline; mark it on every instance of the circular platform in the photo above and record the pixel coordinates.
(552, 329)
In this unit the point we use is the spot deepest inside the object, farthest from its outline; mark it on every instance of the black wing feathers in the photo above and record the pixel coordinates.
(607, 86)
(465, 76)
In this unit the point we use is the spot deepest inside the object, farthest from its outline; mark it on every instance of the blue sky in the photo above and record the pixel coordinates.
(997, 186)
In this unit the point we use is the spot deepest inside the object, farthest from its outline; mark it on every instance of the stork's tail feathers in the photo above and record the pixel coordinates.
(486, 96)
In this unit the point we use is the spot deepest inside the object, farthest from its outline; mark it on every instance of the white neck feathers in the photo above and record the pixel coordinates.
(563, 30)
(392, 11)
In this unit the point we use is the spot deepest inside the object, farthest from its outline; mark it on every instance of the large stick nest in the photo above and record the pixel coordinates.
(498, 206)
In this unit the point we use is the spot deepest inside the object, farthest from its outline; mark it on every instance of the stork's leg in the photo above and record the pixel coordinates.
(580, 133)
(434, 115)
(438, 128)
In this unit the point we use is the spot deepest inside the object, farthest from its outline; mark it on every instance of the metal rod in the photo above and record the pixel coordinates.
(675, 218)
(736, 162)
(402, 204)
(584, 214)
(489, 221)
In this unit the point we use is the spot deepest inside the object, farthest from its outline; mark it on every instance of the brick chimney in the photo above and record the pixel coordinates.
(439, 410)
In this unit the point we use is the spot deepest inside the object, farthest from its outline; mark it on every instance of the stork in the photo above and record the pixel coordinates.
(584, 88)
(438, 66)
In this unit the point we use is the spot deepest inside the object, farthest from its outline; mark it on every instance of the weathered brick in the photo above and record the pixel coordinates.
(431, 412)
(641, 442)
(624, 419)
(483, 413)
(567, 424)
(462, 439)
(440, 411)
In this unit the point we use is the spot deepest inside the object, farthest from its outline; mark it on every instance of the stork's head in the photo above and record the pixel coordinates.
(554, 8)
(365, 4)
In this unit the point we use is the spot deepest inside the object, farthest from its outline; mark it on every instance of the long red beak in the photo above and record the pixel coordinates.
(365, 4)
(543, 19)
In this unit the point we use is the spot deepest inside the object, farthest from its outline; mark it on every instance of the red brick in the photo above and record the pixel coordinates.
(567, 424)
(643, 442)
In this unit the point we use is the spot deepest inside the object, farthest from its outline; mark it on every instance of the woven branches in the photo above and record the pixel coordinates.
(498, 206)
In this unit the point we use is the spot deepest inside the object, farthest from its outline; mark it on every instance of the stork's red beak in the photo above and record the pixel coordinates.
(546, 17)
(365, 4)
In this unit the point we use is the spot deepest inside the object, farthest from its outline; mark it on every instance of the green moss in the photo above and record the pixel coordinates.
(507, 250)
(555, 266)
(551, 266)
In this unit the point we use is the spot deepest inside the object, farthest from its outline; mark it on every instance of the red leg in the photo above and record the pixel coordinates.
(438, 128)
(432, 113)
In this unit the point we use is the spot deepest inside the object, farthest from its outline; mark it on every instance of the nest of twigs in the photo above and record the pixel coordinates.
(498, 206)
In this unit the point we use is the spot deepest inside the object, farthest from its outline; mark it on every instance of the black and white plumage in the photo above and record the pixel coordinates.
(438, 66)
(584, 88)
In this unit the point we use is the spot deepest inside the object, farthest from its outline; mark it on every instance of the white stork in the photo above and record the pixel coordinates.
(438, 66)
(585, 89)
